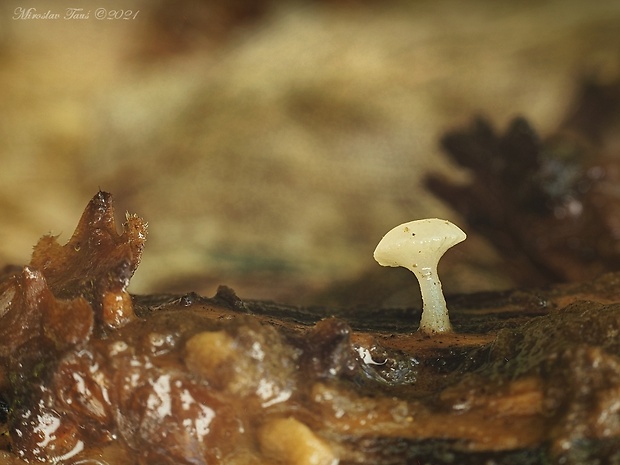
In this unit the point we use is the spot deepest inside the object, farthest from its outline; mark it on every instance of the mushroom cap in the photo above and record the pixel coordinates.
(417, 244)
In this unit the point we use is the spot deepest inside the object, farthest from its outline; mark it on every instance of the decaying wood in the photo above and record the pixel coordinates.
(89, 372)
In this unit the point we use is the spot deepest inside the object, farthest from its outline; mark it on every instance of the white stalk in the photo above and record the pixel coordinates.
(435, 318)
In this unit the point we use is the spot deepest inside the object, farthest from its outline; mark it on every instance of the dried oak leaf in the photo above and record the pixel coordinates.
(52, 304)
(549, 206)
(97, 263)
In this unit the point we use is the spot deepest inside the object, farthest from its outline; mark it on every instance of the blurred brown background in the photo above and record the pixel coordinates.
(270, 145)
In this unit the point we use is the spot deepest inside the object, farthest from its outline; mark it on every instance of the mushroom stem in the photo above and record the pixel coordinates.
(435, 318)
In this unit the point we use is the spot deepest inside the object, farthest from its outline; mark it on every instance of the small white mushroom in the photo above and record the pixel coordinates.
(418, 246)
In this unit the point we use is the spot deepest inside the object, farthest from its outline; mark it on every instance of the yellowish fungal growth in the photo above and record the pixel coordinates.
(290, 442)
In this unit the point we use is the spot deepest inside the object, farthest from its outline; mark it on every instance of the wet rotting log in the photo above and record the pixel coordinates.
(89, 372)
